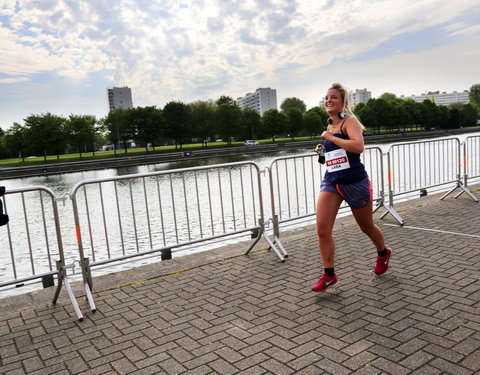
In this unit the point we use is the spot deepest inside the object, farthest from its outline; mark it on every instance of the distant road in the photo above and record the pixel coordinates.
(135, 160)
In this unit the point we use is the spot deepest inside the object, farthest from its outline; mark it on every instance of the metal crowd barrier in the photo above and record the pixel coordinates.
(295, 182)
(471, 159)
(130, 216)
(418, 166)
(32, 250)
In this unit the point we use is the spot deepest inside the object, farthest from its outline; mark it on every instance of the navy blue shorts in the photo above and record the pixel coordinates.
(357, 195)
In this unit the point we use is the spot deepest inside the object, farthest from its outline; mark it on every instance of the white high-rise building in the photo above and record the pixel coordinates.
(444, 98)
(358, 96)
(120, 97)
(261, 100)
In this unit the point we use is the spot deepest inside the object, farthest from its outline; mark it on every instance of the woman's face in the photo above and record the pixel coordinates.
(333, 102)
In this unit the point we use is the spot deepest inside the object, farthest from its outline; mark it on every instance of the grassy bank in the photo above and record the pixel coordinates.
(50, 159)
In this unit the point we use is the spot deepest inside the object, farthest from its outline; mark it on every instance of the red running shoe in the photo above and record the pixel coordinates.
(324, 282)
(382, 263)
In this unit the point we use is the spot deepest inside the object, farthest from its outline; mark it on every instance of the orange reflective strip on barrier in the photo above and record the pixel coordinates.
(79, 237)
(465, 161)
(389, 176)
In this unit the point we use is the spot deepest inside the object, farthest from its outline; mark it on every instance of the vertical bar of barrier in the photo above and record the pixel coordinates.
(89, 224)
(145, 197)
(198, 204)
(12, 256)
(120, 229)
(84, 263)
(389, 208)
(133, 214)
(186, 207)
(160, 209)
(232, 200)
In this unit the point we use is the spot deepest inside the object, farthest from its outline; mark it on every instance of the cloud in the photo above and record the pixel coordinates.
(462, 29)
(206, 48)
(13, 80)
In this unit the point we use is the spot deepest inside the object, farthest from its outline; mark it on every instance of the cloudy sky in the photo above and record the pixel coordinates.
(60, 56)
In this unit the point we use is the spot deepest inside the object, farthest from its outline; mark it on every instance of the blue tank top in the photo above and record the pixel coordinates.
(354, 174)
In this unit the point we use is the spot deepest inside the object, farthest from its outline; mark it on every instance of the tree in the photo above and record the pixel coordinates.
(389, 97)
(313, 123)
(14, 140)
(203, 120)
(251, 123)
(469, 115)
(289, 103)
(474, 95)
(228, 119)
(294, 121)
(225, 100)
(431, 114)
(367, 116)
(45, 134)
(274, 123)
(454, 119)
(379, 113)
(409, 109)
(119, 128)
(177, 117)
(80, 131)
(148, 123)
(322, 112)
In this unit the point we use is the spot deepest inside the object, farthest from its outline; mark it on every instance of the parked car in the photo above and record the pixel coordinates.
(250, 142)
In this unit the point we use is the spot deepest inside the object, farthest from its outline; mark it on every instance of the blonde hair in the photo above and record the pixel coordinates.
(346, 108)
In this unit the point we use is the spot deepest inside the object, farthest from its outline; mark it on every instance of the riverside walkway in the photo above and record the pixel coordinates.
(222, 312)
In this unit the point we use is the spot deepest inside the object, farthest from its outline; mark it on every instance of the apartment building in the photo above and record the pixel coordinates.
(261, 100)
(358, 96)
(444, 98)
(120, 97)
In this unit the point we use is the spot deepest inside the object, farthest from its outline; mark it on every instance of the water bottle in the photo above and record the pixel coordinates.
(320, 150)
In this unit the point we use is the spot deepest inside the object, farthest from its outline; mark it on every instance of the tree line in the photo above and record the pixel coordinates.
(178, 123)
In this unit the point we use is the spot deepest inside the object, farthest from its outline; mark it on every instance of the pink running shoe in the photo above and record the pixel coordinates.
(382, 263)
(324, 282)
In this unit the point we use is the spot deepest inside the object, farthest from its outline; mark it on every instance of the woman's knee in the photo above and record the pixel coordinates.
(323, 232)
(369, 229)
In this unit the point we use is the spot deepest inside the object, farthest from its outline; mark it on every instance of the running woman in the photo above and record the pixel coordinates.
(345, 179)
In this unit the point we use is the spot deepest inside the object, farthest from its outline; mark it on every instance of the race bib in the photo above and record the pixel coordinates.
(336, 160)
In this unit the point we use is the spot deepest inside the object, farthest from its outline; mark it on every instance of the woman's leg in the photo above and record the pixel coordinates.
(327, 209)
(364, 219)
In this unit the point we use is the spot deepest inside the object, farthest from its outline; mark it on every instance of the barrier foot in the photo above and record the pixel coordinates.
(63, 280)
(378, 204)
(259, 235)
(464, 189)
(390, 210)
(87, 283)
(279, 250)
(88, 294)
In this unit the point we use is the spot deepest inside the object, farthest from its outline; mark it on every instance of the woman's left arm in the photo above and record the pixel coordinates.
(356, 143)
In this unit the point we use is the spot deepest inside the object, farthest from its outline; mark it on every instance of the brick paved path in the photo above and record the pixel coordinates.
(255, 315)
